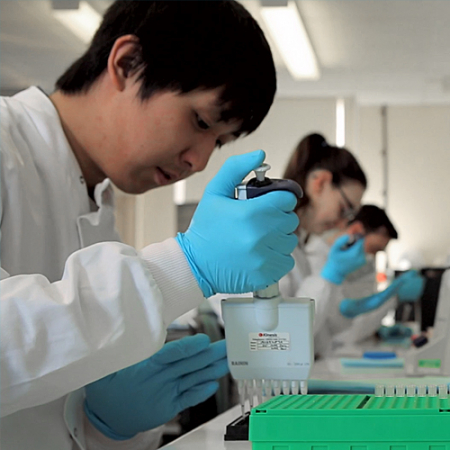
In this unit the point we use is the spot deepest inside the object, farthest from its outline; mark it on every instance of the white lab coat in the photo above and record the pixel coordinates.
(302, 282)
(360, 284)
(72, 309)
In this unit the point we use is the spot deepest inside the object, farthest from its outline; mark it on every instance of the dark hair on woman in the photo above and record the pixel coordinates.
(373, 218)
(312, 153)
(186, 45)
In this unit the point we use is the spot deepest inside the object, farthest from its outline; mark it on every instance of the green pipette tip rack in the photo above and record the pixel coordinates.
(352, 422)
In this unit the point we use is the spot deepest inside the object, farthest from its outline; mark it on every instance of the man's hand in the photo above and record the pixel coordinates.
(148, 394)
(237, 246)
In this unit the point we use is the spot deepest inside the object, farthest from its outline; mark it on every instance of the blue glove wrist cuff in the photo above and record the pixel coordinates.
(203, 284)
(101, 426)
(331, 276)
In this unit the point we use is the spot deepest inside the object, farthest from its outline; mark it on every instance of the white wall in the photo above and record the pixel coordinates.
(146, 219)
(155, 216)
(418, 163)
(419, 181)
(126, 216)
(368, 152)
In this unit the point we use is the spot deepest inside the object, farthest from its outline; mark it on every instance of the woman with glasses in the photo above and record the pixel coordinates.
(333, 184)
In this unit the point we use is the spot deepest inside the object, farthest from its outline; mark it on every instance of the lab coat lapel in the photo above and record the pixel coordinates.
(99, 226)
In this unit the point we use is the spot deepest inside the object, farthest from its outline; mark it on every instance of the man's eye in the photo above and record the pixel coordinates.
(202, 124)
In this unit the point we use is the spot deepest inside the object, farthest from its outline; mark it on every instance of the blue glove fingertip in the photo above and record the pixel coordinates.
(259, 155)
(219, 349)
(342, 240)
(201, 340)
(221, 368)
(192, 345)
(181, 349)
(233, 172)
(357, 247)
(211, 388)
(411, 289)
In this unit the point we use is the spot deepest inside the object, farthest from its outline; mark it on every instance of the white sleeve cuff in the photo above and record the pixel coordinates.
(87, 437)
(95, 440)
(170, 269)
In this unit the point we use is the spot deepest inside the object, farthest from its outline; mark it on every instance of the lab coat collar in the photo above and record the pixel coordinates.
(42, 112)
(98, 226)
(44, 115)
(104, 194)
(302, 237)
(36, 100)
(93, 225)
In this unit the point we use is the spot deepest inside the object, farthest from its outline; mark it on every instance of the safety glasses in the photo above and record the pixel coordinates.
(350, 210)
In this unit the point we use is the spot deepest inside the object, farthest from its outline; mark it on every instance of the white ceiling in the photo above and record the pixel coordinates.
(378, 51)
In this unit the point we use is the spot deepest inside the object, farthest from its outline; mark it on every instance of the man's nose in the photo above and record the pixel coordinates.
(197, 156)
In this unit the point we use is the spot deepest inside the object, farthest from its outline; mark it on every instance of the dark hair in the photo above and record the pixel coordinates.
(312, 153)
(372, 217)
(185, 45)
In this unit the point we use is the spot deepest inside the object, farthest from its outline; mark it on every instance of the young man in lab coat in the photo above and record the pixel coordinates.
(358, 308)
(373, 224)
(161, 85)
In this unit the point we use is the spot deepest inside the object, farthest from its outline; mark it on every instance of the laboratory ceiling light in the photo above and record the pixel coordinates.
(287, 30)
(340, 122)
(82, 21)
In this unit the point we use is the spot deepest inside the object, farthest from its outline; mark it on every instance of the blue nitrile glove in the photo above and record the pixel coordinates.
(354, 307)
(397, 331)
(343, 261)
(152, 392)
(237, 246)
(412, 286)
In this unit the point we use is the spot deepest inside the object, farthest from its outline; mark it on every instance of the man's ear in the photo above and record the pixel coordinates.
(317, 180)
(124, 61)
(356, 228)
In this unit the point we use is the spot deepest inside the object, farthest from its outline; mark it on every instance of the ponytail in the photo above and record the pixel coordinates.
(312, 153)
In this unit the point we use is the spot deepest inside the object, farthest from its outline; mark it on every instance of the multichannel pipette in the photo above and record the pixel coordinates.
(269, 338)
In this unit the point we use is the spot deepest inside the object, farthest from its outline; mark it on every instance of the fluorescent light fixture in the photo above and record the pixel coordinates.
(179, 192)
(289, 33)
(83, 22)
(381, 262)
(340, 122)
